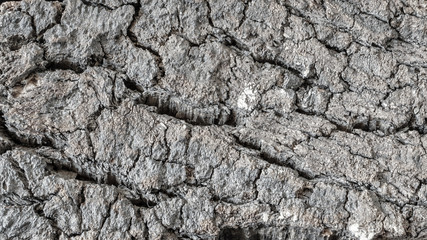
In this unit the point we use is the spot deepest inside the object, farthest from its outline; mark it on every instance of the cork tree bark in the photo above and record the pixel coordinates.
(202, 119)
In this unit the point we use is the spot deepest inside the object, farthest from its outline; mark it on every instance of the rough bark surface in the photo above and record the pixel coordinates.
(213, 119)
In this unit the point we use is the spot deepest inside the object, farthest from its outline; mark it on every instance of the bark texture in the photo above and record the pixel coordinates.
(213, 119)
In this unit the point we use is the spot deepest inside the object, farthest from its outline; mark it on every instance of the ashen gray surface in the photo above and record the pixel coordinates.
(228, 119)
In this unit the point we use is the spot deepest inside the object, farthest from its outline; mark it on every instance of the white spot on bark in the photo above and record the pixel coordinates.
(360, 233)
(246, 99)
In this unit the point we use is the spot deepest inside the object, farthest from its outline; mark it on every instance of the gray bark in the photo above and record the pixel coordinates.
(228, 119)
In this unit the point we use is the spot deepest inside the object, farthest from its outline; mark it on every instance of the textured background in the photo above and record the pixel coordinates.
(215, 119)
